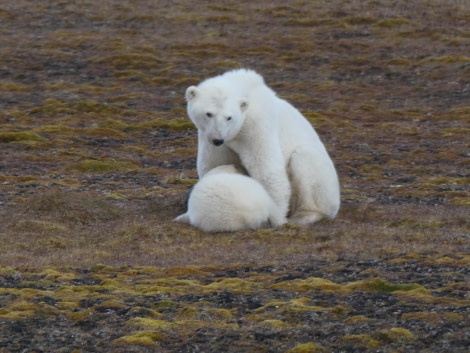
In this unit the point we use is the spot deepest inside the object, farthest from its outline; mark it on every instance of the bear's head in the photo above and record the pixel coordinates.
(218, 112)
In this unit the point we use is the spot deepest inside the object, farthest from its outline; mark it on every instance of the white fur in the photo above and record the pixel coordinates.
(225, 200)
(269, 138)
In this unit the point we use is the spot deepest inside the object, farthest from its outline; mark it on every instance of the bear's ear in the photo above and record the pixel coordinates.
(243, 105)
(191, 93)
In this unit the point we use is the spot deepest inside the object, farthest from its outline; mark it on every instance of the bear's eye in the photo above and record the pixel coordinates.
(229, 118)
(209, 115)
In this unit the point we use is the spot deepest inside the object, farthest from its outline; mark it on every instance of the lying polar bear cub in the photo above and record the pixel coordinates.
(226, 200)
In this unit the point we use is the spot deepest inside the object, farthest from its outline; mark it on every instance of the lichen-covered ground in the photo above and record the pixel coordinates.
(96, 154)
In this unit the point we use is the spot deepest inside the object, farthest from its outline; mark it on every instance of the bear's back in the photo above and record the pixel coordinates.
(240, 79)
(245, 79)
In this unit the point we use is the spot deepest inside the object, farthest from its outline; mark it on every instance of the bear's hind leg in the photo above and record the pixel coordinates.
(305, 218)
(315, 188)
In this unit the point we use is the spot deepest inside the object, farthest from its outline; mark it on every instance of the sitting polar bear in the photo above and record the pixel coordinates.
(241, 121)
(225, 200)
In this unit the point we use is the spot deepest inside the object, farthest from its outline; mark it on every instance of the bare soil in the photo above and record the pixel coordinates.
(97, 154)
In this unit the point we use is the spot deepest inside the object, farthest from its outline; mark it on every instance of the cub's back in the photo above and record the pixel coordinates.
(228, 202)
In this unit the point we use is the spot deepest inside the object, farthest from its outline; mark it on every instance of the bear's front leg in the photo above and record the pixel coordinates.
(266, 165)
(276, 183)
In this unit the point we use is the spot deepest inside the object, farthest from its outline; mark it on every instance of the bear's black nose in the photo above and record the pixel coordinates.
(217, 142)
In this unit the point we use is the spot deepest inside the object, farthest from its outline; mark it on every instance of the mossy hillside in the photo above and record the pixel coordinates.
(308, 347)
(19, 136)
(165, 307)
(394, 335)
(86, 123)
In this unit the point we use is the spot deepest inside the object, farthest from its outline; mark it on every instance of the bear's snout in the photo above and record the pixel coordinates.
(217, 142)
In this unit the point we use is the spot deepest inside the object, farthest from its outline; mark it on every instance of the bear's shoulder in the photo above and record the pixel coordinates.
(246, 75)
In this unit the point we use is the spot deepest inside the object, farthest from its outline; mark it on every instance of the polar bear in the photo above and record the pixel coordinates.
(241, 121)
(226, 200)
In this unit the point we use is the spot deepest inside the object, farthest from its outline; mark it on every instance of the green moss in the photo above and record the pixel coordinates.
(396, 334)
(429, 317)
(229, 64)
(223, 8)
(309, 21)
(315, 117)
(338, 311)
(381, 286)
(141, 338)
(16, 314)
(161, 80)
(308, 347)
(446, 59)
(432, 317)
(132, 75)
(356, 319)
(304, 285)
(299, 306)
(165, 304)
(360, 20)
(320, 284)
(88, 106)
(219, 314)
(274, 304)
(174, 124)
(181, 181)
(55, 129)
(103, 131)
(393, 22)
(149, 323)
(49, 106)
(18, 136)
(459, 113)
(131, 61)
(461, 201)
(451, 131)
(275, 324)
(418, 294)
(99, 166)
(13, 87)
(102, 268)
(413, 223)
(452, 317)
(6, 15)
(113, 124)
(364, 340)
(188, 312)
(223, 19)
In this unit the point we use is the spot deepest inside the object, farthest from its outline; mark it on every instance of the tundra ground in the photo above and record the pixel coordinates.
(97, 154)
